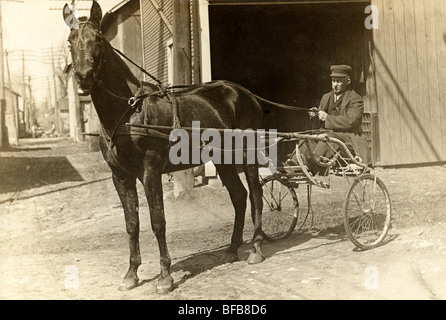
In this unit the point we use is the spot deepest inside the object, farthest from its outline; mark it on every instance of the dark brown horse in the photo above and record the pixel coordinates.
(133, 154)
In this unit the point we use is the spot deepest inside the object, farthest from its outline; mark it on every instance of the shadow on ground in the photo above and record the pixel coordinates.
(201, 262)
(23, 173)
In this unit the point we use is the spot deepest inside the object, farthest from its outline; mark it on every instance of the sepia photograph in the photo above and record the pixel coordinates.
(243, 152)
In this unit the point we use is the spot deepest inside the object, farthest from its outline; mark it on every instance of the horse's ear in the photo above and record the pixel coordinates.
(66, 12)
(67, 68)
(96, 13)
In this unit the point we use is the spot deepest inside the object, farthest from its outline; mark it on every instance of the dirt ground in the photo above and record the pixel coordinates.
(62, 236)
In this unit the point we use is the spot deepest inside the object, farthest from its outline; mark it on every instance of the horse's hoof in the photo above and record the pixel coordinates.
(255, 257)
(128, 284)
(164, 285)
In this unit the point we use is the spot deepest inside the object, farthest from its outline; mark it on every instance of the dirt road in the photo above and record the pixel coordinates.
(62, 236)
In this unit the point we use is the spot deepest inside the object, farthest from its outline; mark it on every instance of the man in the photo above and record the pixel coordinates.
(340, 111)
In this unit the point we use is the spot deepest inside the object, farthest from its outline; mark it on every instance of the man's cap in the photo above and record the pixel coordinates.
(340, 71)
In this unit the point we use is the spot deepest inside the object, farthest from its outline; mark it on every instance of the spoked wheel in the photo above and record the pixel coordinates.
(367, 212)
(280, 209)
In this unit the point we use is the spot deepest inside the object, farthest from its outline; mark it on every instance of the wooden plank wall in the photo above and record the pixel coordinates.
(410, 60)
(155, 37)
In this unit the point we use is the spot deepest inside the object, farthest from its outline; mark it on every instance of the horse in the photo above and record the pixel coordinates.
(132, 154)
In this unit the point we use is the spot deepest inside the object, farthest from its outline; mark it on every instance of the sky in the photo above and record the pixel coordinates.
(36, 26)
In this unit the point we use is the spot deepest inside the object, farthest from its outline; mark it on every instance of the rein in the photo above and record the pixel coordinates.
(189, 87)
(160, 84)
(133, 101)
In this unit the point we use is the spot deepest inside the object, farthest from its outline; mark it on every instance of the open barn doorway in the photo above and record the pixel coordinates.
(283, 52)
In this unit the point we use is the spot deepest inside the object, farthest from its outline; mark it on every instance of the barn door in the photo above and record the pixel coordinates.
(410, 61)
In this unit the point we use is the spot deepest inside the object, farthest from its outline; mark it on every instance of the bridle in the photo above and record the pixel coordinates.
(79, 48)
(131, 100)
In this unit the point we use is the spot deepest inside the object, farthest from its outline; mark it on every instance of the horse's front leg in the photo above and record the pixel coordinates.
(126, 187)
(154, 192)
(255, 197)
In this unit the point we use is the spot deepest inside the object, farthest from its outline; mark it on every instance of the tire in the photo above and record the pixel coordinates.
(280, 209)
(367, 212)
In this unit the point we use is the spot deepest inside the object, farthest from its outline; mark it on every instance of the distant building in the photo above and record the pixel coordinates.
(14, 116)
(63, 116)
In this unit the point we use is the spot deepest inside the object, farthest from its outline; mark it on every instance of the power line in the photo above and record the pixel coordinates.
(73, 3)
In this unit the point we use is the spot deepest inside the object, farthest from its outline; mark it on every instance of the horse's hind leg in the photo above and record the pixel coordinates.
(238, 194)
(255, 197)
(154, 193)
(126, 188)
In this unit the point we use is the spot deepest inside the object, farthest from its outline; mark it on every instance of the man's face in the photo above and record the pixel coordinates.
(339, 85)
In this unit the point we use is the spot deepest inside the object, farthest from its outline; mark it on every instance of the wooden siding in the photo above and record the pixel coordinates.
(155, 36)
(410, 61)
(276, 2)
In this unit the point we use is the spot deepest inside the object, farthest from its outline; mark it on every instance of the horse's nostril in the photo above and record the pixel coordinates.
(84, 76)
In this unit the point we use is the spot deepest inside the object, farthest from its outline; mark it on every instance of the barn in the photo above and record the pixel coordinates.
(13, 116)
(282, 51)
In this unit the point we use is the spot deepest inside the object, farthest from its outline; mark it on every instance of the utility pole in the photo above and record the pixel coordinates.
(31, 115)
(51, 99)
(56, 108)
(182, 75)
(25, 101)
(3, 131)
(13, 134)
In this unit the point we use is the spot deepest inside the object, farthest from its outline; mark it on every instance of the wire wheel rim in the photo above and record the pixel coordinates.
(369, 199)
(280, 209)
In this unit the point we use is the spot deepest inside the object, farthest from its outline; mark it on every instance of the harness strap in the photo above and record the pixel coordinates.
(131, 100)
(133, 104)
(175, 110)
(140, 68)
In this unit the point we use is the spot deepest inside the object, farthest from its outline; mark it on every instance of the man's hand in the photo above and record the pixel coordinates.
(313, 112)
(322, 115)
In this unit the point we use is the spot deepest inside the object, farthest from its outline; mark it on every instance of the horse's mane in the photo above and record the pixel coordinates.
(123, 66)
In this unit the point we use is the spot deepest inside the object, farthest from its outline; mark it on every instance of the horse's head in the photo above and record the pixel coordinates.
(86, 42)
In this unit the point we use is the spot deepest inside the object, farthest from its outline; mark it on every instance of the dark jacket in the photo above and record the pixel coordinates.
(348, 124)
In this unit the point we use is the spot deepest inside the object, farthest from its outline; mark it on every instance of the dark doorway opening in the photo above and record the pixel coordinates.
(284, 52)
